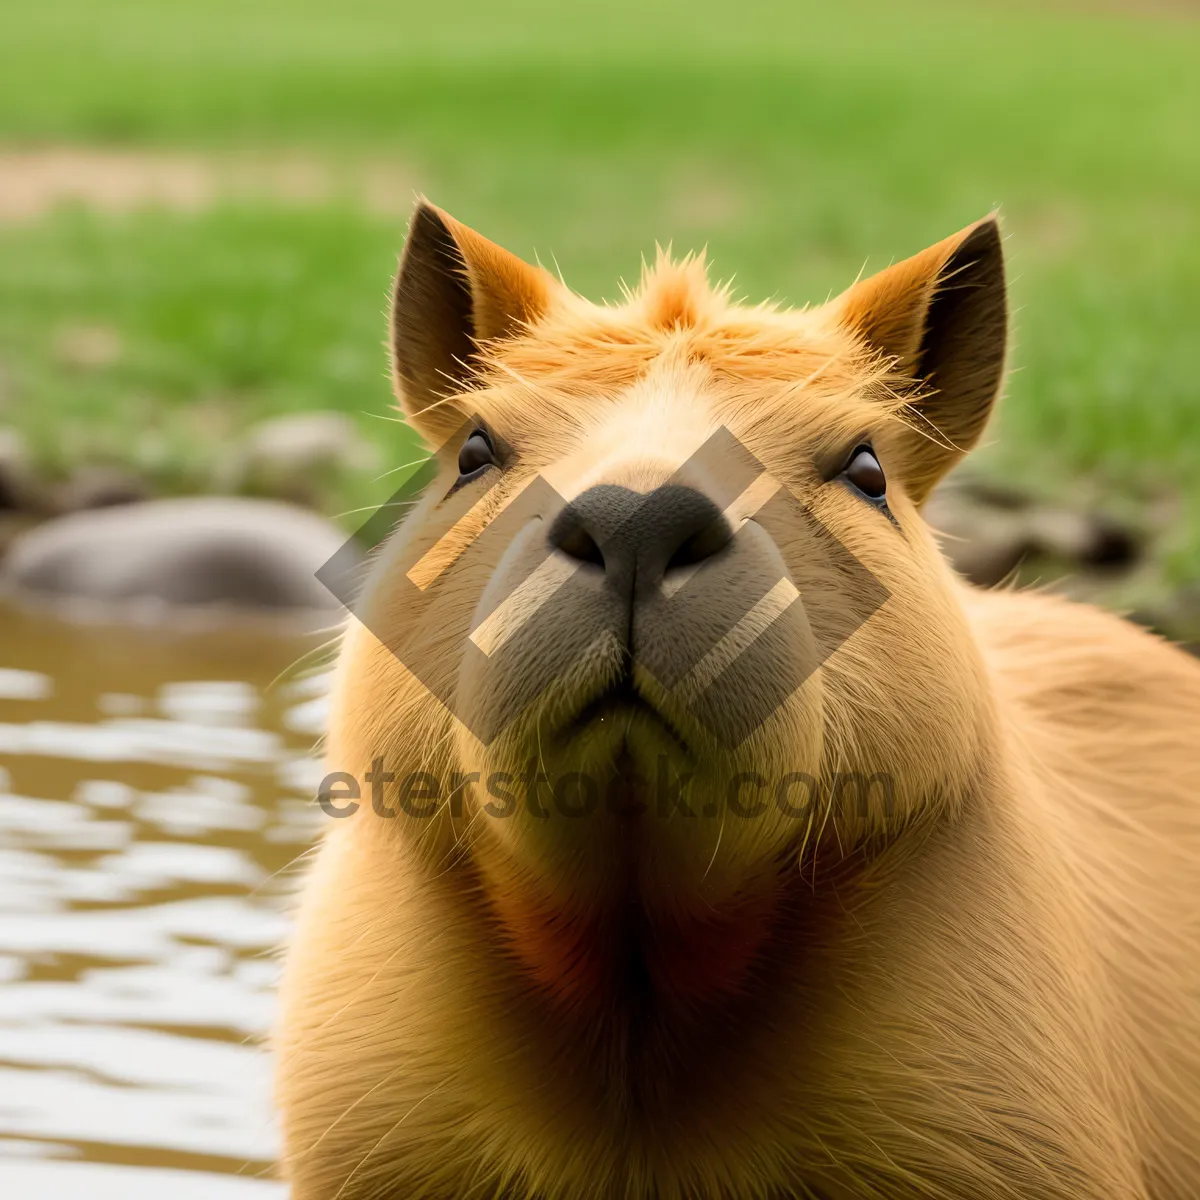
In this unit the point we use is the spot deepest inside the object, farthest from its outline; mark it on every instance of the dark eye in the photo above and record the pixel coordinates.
(477, 452)
(863, 470)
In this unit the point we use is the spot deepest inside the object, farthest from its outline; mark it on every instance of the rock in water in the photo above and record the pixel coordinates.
(200, 551)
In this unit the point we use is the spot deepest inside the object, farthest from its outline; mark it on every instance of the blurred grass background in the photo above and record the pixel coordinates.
(797, 142)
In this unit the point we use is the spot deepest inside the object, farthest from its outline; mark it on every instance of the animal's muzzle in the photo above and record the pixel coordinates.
(636, 538)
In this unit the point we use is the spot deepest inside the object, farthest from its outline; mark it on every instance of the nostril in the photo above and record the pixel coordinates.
(578, 529)
(701, 545)
(580, 544)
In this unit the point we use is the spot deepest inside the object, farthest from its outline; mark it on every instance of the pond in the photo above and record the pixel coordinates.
(155, 807)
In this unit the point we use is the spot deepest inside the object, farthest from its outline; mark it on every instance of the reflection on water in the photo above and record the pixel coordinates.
(153, 792)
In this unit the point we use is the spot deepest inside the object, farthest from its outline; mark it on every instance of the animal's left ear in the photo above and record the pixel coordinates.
(942, 318)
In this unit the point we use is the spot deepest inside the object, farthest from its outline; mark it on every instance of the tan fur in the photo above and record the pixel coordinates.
(992, 990)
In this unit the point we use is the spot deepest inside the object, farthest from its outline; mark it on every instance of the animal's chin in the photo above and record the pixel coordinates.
(613, 908)
(619, 726)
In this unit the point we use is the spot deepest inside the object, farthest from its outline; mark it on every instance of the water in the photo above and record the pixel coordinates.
(154, 796)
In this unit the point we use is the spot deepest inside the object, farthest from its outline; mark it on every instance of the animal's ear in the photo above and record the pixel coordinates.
(941, 317)
(454, 292)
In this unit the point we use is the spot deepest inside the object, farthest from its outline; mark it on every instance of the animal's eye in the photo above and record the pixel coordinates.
(865, 473)
(477, 453)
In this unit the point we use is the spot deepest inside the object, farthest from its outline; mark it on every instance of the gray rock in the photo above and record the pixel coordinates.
(988, 531)
(203, 551)
(983, 542)
(297, 456)
(98, 486)
(1083, 539)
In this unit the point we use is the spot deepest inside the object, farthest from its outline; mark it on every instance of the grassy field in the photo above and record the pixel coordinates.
(795, 144)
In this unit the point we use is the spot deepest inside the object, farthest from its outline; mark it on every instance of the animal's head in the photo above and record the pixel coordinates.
(675, 541)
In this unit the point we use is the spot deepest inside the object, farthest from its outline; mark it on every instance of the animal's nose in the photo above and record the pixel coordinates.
(637, 538)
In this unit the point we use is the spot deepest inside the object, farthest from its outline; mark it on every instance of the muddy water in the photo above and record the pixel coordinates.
(154, 794)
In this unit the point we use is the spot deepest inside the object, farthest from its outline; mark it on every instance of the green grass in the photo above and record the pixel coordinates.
(795, 141)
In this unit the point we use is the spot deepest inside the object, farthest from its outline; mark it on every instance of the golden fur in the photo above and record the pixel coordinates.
(988, 990)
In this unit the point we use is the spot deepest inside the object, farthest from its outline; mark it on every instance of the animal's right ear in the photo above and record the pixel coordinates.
(455, 292)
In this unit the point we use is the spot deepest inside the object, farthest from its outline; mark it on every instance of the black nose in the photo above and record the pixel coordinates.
(637, 538)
